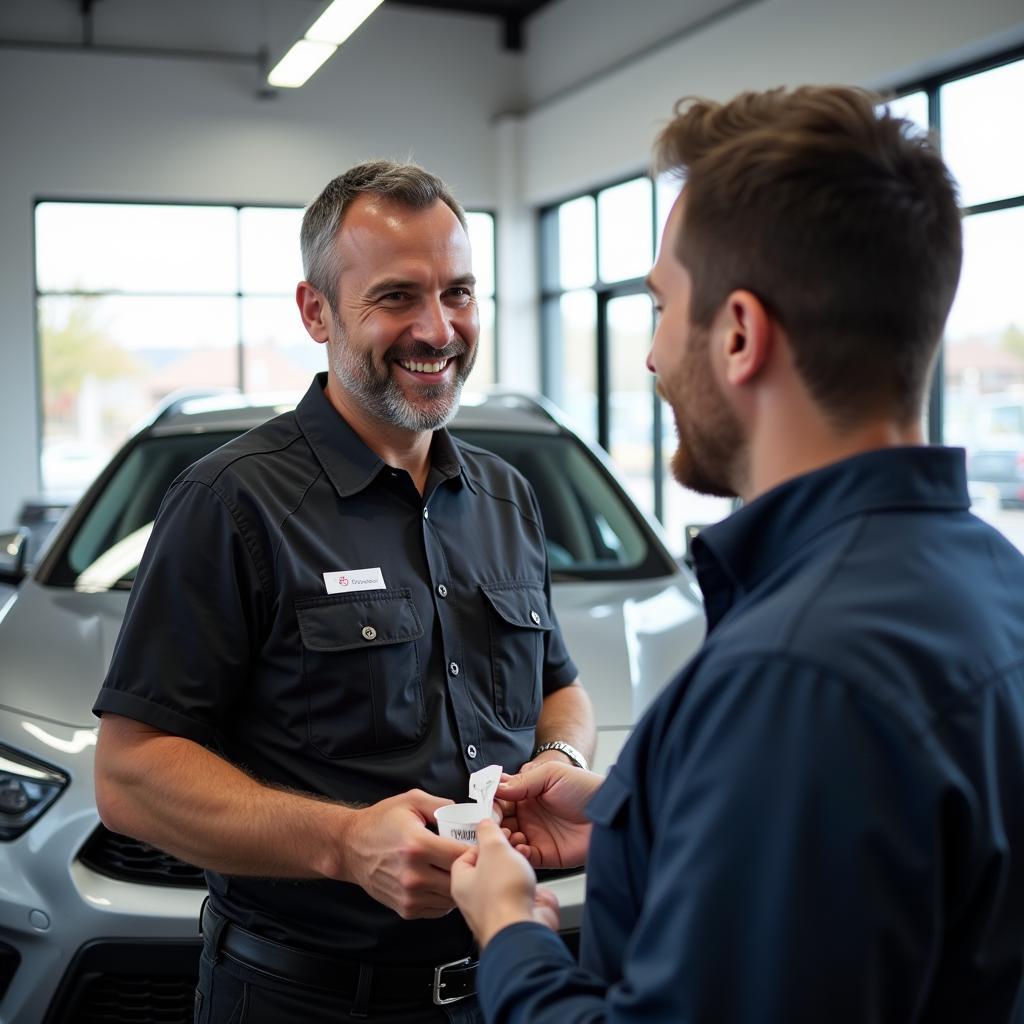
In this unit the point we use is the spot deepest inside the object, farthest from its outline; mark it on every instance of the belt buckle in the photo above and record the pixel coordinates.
(439, 1000)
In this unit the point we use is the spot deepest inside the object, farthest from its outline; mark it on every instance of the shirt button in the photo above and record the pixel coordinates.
(426, 513)
(442, 590)
(453, 668)
(471, 751)
(535, 617)
(369, 633)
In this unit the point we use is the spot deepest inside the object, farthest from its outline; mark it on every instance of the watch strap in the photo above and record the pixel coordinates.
(566, 748)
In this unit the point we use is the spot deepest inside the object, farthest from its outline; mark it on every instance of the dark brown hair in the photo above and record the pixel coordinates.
(840, 218)
(407, 184)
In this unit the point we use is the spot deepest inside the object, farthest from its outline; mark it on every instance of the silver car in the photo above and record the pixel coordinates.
(96, 926)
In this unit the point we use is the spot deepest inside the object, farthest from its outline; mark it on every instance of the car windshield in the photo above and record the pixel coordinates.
(593, 532)
(105, 548)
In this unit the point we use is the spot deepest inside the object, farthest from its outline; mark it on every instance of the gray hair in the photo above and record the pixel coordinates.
(405, 183)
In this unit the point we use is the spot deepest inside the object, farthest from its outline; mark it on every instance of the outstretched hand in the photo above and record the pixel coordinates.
(494, 887)
(544, 815)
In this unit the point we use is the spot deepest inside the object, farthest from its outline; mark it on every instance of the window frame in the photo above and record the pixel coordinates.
(604, 292)
(930, 85)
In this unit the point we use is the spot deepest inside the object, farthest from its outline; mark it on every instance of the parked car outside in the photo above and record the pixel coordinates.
(997, 469)
(96, 926)
(991, 428)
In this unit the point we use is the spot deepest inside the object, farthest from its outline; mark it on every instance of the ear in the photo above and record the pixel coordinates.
(747, 336)
(314, 310)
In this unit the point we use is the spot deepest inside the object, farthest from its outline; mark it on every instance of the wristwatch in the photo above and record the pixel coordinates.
(570, 752)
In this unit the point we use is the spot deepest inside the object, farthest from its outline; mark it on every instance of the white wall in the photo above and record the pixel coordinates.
(78, 125)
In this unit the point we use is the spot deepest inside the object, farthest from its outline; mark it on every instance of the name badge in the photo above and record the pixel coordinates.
(345, 580)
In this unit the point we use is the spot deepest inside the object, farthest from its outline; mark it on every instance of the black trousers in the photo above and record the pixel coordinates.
(231, 993)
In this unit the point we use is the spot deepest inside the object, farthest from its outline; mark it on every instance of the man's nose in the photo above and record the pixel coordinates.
(433, 324)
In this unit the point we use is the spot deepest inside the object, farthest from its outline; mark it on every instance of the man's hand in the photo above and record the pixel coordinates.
(391, 854)
(494, 887)
(544, 813)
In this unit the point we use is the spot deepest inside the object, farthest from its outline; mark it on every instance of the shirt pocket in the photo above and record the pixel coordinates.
(518, 621)
(361, 672)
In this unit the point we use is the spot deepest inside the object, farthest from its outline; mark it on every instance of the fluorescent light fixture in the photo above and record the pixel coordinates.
(297, 66)
(340, 20)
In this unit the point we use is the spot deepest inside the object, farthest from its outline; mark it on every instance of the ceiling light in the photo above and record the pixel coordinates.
(326, 34)
(340, 20)
(297, 66)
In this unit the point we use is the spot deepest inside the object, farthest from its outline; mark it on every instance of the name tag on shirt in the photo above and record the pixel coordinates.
(345, 580)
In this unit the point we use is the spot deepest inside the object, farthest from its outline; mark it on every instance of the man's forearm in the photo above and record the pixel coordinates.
(567, 715)
(179, 797)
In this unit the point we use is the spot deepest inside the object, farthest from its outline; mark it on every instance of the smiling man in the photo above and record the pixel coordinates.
(339, 617)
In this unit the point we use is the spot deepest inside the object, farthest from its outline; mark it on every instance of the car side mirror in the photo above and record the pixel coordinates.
(13, 549)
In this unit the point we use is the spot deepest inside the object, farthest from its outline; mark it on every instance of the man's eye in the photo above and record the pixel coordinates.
(394, 297)
(461, 293)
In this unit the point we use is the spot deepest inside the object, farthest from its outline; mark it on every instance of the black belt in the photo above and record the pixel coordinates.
(445, 983)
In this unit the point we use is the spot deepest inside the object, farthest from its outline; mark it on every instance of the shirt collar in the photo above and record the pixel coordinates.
(733, 556)
(348, 462)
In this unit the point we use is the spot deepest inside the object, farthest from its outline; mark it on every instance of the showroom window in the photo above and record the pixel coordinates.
(597, 323)
(135, 301)
(978, 401)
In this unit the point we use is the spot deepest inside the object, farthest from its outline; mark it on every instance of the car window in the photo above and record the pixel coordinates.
(106, 547)
(593, 531)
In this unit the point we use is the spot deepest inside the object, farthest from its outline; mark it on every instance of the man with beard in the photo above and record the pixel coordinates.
(339, 617)
(822, 817)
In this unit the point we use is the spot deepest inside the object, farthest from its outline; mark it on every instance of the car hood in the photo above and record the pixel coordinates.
(628, 638)
(55, 644)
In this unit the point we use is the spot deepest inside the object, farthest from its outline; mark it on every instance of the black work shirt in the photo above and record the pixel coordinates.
(822, 818)
(430, 658)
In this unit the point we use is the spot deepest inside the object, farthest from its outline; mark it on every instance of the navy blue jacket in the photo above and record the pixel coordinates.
(822, 817)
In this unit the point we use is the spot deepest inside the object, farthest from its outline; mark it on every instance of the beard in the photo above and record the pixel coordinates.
(711, 453)
(376, 390)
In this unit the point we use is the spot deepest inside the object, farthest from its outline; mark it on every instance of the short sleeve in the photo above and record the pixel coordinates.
(193, 619)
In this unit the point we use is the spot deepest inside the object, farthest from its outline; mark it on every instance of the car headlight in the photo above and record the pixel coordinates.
(27, 788)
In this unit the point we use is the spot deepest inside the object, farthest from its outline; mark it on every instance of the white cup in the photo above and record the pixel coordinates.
(459, 821)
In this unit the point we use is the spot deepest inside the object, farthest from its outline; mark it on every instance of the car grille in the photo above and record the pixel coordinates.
(137, 982)
(131, 860)
(131, 999)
